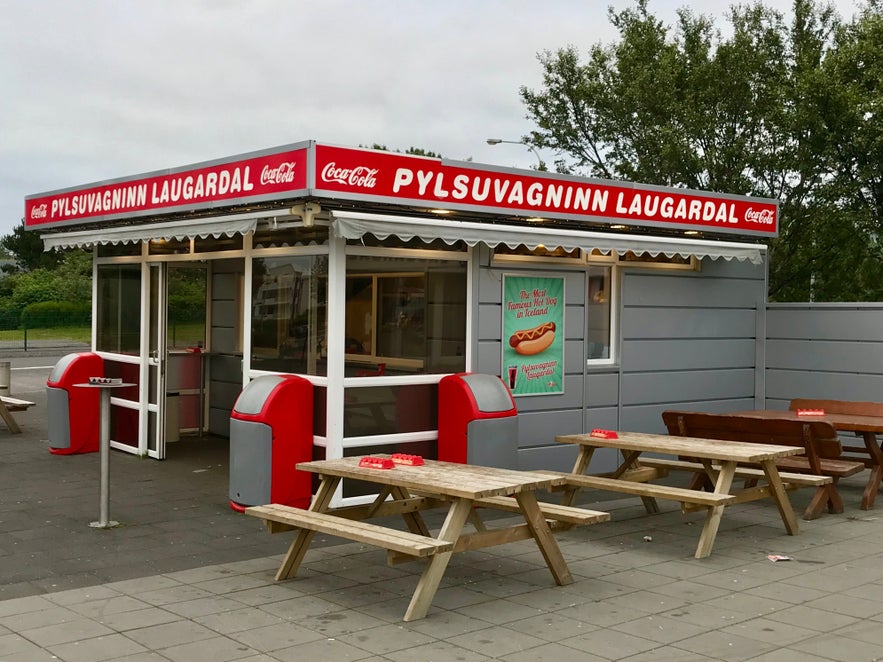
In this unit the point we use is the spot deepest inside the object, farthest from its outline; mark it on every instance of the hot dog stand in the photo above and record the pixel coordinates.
(375, 274)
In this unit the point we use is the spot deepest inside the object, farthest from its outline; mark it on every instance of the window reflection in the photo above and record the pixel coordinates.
(118, 326)
(598, 337)
(405, 316)
(288, 325)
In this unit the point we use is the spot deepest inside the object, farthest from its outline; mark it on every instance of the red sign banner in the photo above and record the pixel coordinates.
(402, 178)
(363, 174)
(260, 177)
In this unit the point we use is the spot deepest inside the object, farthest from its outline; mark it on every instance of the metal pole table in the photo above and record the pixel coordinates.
(104, 521)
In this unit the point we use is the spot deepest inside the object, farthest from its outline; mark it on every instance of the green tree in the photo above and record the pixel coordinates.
(771, 109)
(26, 248)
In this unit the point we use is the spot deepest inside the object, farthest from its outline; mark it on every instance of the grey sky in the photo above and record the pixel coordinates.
(94, 90)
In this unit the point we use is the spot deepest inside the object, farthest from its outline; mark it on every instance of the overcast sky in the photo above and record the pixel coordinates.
(94, 90)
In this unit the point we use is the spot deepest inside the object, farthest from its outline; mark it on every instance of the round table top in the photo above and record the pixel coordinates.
(104, 385)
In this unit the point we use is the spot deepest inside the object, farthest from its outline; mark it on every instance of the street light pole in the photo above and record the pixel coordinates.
(497, 141)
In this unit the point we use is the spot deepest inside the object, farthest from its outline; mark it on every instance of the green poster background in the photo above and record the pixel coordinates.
(529, 301)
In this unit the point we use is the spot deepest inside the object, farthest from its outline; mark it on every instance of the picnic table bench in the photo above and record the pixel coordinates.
(8, 405)
(407, 490)
(822, 455)
(717, 458)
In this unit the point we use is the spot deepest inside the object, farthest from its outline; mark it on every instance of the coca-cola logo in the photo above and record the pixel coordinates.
(360, 176)
(761, 216)
(39, 211)
(281, 174)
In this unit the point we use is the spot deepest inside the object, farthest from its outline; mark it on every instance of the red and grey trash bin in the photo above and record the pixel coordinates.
(73, 413)
(271, 430)
(477, 421)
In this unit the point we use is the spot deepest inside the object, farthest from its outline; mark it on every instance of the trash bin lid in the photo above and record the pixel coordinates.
(489, 392)
(255, 394)
(61, 366)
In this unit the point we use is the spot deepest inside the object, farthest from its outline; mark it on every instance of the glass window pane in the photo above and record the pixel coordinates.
(186, 309)
(598, 334)
(119, 308)
(405, 316)
(288, 324)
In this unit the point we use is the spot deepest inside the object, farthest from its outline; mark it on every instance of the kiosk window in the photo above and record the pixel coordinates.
(118, 327)
(405, 316)
(288, 320)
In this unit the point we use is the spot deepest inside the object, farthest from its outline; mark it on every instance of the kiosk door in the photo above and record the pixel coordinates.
(157, 359)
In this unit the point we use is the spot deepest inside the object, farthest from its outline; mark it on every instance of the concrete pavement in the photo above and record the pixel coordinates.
(185, 578)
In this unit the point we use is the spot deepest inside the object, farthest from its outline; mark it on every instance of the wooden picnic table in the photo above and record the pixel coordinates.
(865, 419)
(8, 405)
(407, 490)
(719, 458)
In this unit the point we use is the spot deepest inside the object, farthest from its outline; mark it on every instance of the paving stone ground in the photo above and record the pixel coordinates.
(185, 578)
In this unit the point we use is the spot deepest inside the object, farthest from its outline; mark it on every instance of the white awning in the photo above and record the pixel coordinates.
(200, 228)
(352, 225)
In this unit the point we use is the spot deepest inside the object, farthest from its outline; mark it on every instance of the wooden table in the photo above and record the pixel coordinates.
(7, 406)
(720, 459)
(406, 490)
(866, 426)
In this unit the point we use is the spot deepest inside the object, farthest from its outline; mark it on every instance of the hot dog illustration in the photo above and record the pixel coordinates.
(533, 341)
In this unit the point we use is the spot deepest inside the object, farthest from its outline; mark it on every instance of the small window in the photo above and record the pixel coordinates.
(599, 333)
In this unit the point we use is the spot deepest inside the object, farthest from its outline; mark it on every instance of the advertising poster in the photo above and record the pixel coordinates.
(533, 334)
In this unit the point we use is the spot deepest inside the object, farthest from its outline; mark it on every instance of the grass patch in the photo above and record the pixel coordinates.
(74, 333)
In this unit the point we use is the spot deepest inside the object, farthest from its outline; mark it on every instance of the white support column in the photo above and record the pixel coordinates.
(336, 341)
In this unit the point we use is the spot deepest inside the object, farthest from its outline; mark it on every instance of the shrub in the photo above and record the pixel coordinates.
(50, 314)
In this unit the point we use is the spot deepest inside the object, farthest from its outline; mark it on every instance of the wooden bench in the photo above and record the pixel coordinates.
(823, 452)
(555, 513)
(652, 490)
(403, 542)
(8, 405)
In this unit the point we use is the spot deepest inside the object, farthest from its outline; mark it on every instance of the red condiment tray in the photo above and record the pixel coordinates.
(810, 412)
(604, 434)
(376, 462)
(404, 458)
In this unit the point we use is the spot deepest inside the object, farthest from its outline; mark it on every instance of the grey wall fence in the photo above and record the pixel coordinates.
(825, 350)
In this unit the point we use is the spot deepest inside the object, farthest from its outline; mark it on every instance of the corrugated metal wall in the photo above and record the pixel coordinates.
(688, 340)
(824, 350)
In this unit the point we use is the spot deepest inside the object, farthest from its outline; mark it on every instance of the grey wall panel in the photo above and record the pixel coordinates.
(225, 286)
(489, 357)
(602, 389)
(574, 356)
(660, 387)
(648, 418)
(219, 421)
(824, 355)
(606, 418)
(224, 395)
(687, 323)
(490, 286)
(490, 322)
(571, 398)
(224, 339)
(688, 354)
(225, 313)
(662, 289)
(559, 457)
(788, 384)
(826, 323)
(540, 428)
(575, 322)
